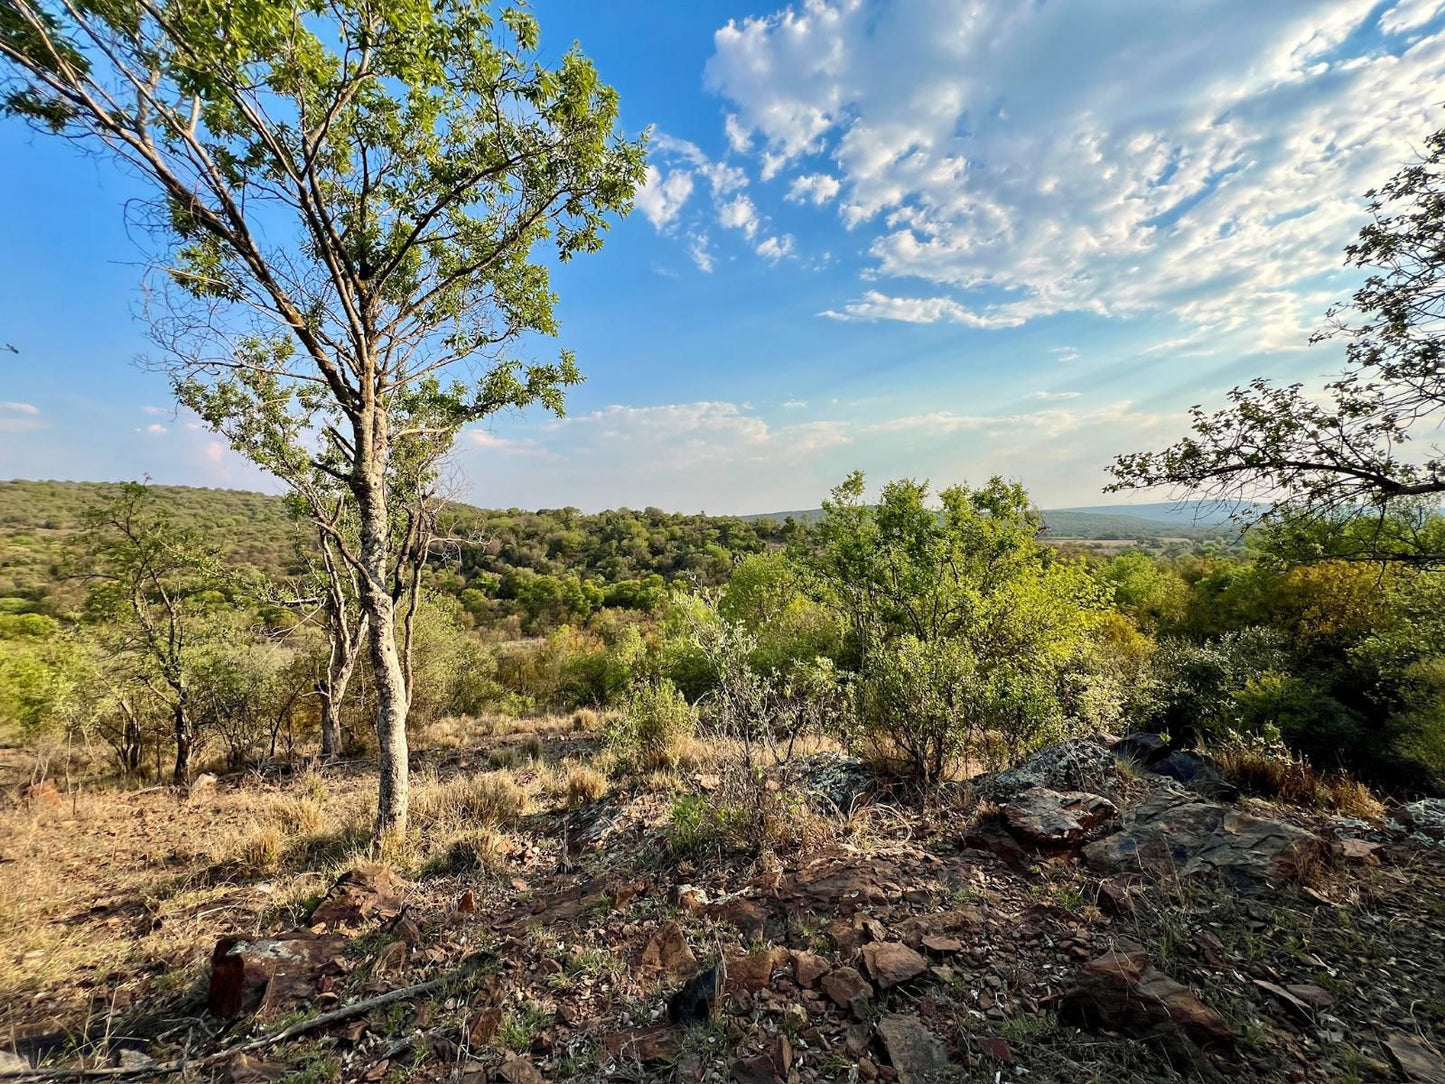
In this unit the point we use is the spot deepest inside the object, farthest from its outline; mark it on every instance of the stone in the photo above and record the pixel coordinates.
(808, 968)
(467, 903)
(742, 914)
(997, 1049)
(668, 952)
(358, 895)
(483, 1025)
(1122, 991)
(518, 1070)
(1316, 997)
(250, 1069)
(270, 974)
(848, 990)
(757, 1069)
(891, 962)
(1142, 748)
(1073, 764)
(1356, 851)
(912, 931)
(915, 1052)
(1425, 817)
(1198, 773)
(941, 945)
(844, 937)
(647, 1045)
(1176, 831)
(1053, 818)
(1290, 999)
(749, 973)
(690, 898)
(991, 838)
(1115, 898)
(1416, 1059)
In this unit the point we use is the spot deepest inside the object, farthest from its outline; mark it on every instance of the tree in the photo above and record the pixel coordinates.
(151, 584)
(1344, 461)
(348, 196)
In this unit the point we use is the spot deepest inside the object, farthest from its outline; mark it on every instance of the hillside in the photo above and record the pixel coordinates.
(1123, 521)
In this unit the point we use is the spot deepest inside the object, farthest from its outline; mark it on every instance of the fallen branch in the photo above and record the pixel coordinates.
(281, 1035)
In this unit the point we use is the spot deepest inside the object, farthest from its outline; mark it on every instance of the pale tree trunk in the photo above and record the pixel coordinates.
(332, 688)
(379, 610)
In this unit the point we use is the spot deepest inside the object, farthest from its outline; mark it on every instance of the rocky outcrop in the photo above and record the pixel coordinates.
(1124, 992)
(1177, 831)
(1074, 764)
(1052, 818)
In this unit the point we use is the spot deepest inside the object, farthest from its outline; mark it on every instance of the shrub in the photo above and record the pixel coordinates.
(655, 729)
(478, 850)
(492, 798)
(1268, 768)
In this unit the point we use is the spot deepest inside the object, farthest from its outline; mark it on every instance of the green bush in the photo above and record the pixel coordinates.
(656, 727)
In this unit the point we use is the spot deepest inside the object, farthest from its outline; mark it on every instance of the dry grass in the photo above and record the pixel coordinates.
(1271, 771)
(492, 798)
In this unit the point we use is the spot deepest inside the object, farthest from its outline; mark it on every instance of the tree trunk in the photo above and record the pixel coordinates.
(332, 688)
(380, 613)
(183, 744)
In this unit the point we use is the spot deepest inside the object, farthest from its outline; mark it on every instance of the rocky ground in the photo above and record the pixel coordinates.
(1074, 920)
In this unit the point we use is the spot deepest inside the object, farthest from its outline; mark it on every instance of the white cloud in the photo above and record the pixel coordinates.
(700, 253)
(1065, 354)
(155, 410)
(721, 177)
(874, 305)
(775, 248)
(794, 404)
(1052, 395)
(739, 139)
(20, 408)
(155, 429)
(814, 188)
(1017, 163)
(661, 200)
(739, 214)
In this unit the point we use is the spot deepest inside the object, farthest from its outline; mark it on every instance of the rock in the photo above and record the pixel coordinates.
(1425, 817)
(848, 990)
(1356, 851)
(749, 973)
(1073, 764)
(844, 937)
(518, 1070)
(939, 944)
(1198, 773)
(483, 1025)
(1173, 830)
(1316, 997)
(808, 968)
(742, 914)
(271, 974)
(250, 1069)
(757, 1069)
(1053, 818)
(1142, 748)
(913, 931)
(689, 898)
(997, 1049)
(697, 1000)
(651, 1044)
(833, 782)
(669, 953)
(360, 894)
(1115, 898)
(891, 962)
(914, 1051)
(1416, 1059)
(1122, 991)
(990, 837)
(467, 904)
(1293, 1003)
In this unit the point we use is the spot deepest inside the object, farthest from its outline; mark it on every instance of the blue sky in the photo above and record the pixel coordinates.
(934, 238)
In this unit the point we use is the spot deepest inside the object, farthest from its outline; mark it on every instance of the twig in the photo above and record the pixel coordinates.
(292, 1031)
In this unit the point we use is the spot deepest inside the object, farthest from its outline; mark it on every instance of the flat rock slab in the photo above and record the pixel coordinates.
(1124, 992)
(1416, 1059)
(890, 963)
(1177, 831)
(915, 1052)
(1056, 818)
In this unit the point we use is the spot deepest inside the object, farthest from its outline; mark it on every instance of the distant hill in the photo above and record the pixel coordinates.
(1190, 519)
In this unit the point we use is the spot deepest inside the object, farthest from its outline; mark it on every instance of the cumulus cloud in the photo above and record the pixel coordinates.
(739, 214)
(814, 188)
(661, 199)
(699, 251)
(775, 248)
(1016, 160)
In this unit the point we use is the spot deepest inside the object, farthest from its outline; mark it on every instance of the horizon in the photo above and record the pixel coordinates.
(1067, 227)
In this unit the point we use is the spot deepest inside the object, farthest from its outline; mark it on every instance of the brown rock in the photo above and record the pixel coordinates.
(1122, 991)
(1316, 997)
(991, 837)
(651, 1044)
(1416, 1059)
(1356, 851)
(808, 968)
(518, 1070)
(938, 943)
(848, 990)
(483, 1025)
(1056, 818)
(757, 1069)
(749, 973)
(912, 931)
(1115, 898)
(997, 1049)
(467, 904)
(669, 953)
(360, 894)
(742, 914)
(915, 1053)
(271, 974)
(891, 962)
(844, 937)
